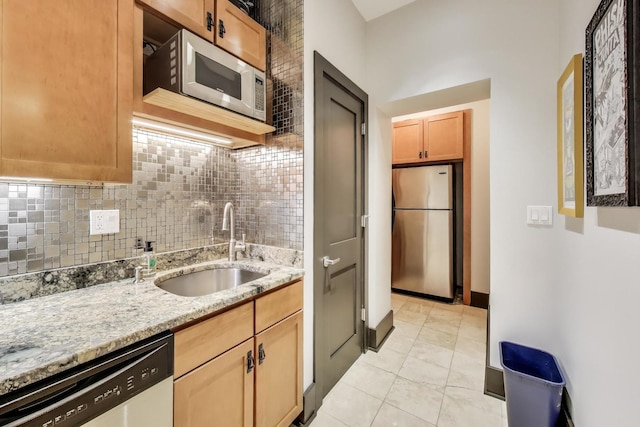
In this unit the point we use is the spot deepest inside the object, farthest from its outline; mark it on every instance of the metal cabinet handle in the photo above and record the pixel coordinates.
(251, 362)
(221, 29)
(326, 261)
(261, 354)
(420, 154)
(426, 154)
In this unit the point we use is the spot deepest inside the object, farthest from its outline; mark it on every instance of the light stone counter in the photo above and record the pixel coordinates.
(47, 335)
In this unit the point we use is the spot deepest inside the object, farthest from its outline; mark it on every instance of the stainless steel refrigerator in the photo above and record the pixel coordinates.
(422, 239)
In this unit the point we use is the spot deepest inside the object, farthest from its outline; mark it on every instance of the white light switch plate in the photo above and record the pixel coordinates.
(540, 215)
(104, 222)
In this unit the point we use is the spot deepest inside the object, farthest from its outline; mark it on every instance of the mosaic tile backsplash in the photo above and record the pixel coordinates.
(179, 187)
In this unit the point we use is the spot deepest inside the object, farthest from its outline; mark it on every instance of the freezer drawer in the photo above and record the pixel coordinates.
(422, 252)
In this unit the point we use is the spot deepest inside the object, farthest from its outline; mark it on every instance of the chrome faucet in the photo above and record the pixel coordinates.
(234, 246)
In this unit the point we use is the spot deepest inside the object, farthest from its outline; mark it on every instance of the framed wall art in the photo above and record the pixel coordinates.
(570, 142)
(611, 104)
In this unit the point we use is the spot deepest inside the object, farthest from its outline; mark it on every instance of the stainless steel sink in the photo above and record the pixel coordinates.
(208, 281)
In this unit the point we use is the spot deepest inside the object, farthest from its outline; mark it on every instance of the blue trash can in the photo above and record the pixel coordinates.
(533, 385)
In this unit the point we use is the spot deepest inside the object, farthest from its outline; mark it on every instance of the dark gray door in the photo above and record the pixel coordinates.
(338, 233)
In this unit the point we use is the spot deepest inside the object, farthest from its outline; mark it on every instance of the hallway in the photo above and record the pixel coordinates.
(430, 372)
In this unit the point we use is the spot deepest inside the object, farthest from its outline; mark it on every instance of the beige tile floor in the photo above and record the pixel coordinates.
(429, 372)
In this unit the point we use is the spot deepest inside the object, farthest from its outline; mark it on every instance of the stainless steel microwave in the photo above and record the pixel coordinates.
(189, 65)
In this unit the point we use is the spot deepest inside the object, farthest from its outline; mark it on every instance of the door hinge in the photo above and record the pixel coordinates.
(209, 21)
(363, 315)
(363, 129)
(363, 221)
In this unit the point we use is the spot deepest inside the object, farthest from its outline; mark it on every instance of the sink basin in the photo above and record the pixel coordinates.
(208, 281)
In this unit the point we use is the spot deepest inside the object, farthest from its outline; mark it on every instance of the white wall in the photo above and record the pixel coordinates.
(572, 288)
(598, 287)
(336, 30)
(479, 187)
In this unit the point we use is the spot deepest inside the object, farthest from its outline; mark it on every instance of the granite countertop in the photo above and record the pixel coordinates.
(44, 336)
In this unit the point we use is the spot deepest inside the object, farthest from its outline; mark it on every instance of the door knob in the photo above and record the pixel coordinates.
(326, 261)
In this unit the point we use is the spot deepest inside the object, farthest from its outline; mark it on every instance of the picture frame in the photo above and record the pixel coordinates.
(612, 107)
(570, 140)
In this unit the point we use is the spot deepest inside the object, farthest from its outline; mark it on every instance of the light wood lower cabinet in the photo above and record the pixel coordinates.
(227, 376)
(195, 346)
(279, 373)
(220, 392)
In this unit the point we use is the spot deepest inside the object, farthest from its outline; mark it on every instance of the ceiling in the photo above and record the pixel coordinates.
(371, 9)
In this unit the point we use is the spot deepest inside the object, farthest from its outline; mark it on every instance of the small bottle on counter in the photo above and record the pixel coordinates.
(138, 276)
(149, 260)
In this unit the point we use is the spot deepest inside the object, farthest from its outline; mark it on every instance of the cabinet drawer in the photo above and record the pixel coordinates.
(206, 340)
(274, 307)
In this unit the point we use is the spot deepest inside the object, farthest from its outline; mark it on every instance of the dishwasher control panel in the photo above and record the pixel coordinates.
(100, 389)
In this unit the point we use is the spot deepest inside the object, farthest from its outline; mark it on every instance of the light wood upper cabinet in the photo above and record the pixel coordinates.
(195, 15)
(407, 141)
(443, 136)
(240, 35)
(220, 22)
(279, 373)
(66, 90)
(432, 139)
(219, 392)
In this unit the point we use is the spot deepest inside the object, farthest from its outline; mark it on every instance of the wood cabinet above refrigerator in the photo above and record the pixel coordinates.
(429, 139)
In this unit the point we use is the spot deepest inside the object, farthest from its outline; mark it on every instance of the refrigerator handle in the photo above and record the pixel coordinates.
(393, 209)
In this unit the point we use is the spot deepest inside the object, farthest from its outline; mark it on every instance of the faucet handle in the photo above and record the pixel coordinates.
(241, 246)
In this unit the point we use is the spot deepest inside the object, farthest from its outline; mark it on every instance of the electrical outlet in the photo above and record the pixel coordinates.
(104, 222)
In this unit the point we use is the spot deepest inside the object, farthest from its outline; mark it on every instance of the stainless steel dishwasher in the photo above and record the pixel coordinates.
(130, 387)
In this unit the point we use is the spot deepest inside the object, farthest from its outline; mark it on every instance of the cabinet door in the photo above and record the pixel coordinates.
(279, 373)
(66, 89)
(240, 35)
(407, 142)
(443, 136)
(219, 393)
(194, 15)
